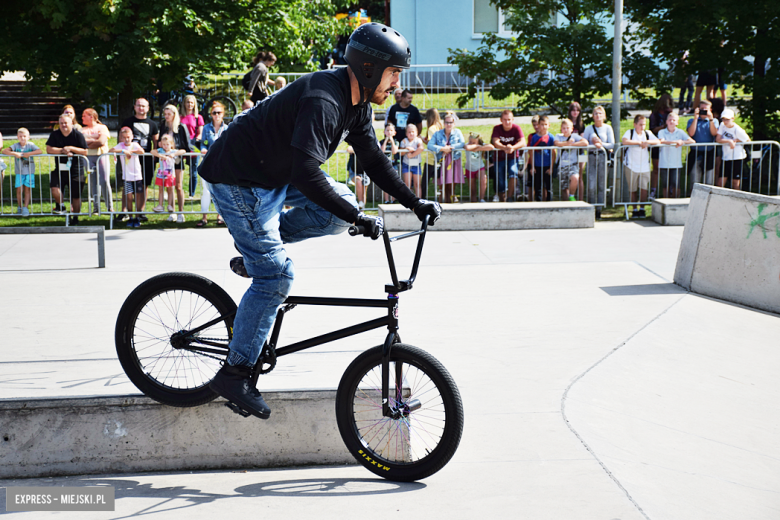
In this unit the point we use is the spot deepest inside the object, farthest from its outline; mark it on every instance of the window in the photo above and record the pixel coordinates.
(488, 19)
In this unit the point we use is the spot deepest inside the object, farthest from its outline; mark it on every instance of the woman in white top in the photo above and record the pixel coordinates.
(598, 134)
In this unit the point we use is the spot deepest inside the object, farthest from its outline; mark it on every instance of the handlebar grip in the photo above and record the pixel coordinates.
(356, 230)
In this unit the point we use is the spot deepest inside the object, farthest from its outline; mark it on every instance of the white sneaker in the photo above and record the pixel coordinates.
(171, 218)
(361, 204)
(180, 219)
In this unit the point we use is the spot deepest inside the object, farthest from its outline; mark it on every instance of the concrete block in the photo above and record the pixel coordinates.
(50, 437)
(670, 212)
(731, 247)
(496, 215)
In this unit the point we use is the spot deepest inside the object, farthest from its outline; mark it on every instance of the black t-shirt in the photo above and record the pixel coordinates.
(143, 131)
(400, 117)
(312, 115)
(74, 138)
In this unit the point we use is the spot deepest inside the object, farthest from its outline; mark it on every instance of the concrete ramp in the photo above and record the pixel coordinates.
(731, 247)
(49, 437)
(473, 216)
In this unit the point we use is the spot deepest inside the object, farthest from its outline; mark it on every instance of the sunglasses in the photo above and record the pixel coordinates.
(216, 113)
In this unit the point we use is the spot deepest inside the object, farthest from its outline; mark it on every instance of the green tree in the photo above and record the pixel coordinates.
(742, 39)
(98, 49)
(561, 52)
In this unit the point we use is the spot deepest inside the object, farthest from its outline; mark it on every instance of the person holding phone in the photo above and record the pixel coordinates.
(703, 127)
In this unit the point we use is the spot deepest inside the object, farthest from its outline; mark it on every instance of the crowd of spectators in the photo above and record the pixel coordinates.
(435, 155)
(652, 160)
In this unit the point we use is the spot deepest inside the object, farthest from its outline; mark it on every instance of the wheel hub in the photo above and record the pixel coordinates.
(179, 340)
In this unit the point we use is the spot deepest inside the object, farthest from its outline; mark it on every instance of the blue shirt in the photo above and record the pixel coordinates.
(542, 158)
(439, 140)
(209, 135)
(702, 134)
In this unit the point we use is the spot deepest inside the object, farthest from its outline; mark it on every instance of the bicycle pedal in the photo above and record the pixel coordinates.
(237, 409)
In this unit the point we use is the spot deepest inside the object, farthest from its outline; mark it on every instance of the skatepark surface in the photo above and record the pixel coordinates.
(593, 387)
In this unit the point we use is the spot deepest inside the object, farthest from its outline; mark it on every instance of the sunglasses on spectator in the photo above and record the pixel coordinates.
(216, 113)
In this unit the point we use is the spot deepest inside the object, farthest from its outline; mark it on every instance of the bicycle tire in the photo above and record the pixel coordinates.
(231, 109)
(413, 446)
(155, 310)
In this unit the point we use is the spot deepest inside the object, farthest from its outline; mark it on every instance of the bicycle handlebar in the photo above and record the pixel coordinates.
(402, 285)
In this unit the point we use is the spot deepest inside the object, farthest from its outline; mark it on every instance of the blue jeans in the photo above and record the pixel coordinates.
(260, 229)
(506, 170)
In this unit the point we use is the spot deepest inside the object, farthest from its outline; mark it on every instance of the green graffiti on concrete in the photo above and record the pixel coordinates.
(761, 219)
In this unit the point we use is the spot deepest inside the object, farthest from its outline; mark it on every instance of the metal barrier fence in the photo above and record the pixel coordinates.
(480, 176)
(41, 184)
(700, 163)
(49, 182)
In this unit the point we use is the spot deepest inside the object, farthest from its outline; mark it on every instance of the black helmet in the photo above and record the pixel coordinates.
(371, 49)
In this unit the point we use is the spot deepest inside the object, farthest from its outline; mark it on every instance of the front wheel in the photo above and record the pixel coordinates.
(153, 345)
(426, 422)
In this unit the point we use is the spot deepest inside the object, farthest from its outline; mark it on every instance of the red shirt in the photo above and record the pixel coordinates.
(514, 135)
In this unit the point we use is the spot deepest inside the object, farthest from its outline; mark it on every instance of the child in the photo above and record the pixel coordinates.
(132, 172)
(280, 83)
(529, 181)
(390, 147)
(670, 159)
(25, 169)
(475, 166)
(541, 161)
(568, 165)
(410, 163)
(637, 161)
(730, 134)
(166, 178)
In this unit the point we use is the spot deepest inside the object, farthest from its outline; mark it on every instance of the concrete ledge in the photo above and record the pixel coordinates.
(49, 437)
(496, 215)
(670, 212)
(730, 247)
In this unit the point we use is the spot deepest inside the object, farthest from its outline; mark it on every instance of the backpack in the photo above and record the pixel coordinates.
(246, 81)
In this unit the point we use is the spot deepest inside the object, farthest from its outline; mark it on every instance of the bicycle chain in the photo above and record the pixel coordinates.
(269, 357)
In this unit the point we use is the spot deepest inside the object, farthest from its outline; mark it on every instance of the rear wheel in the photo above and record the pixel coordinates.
(150, 342)
(425, 428)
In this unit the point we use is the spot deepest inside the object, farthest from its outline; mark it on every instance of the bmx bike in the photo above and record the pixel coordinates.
(398, 410)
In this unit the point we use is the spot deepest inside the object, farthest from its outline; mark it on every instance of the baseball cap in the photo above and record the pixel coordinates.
(727, 114)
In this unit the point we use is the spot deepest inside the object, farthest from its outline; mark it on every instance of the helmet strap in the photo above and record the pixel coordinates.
(365, 97)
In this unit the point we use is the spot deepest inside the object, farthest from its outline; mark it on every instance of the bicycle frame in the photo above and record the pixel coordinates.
(184, 339)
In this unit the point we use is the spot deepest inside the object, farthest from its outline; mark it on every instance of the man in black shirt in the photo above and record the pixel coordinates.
(68, 171)
(404, 113)
(146, 133)
(270, 157)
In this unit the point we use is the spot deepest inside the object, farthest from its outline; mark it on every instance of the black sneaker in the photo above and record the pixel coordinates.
(238, 267)
(74, 221)
(635, 213)
(143, 218)
(121, 218)
(642, 213)
(234, 384)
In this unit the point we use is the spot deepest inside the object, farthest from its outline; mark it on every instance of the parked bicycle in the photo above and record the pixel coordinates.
(398, 410)
(204, 97)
